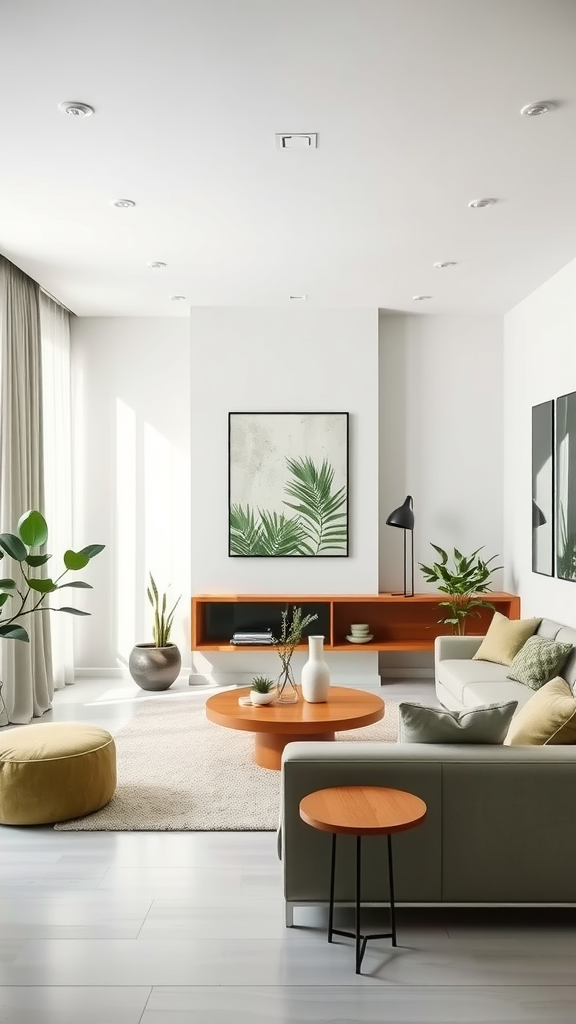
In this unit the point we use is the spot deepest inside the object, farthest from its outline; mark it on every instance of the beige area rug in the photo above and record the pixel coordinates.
(179, 772)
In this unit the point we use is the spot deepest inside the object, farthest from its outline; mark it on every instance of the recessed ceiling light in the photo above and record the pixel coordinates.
(420, 298)
(157, 265)
(123, 204)
(178, 298)
(298, 298)
(297, 140)
(479, 204)
(75, 109)
(444, 264)
(535, 109)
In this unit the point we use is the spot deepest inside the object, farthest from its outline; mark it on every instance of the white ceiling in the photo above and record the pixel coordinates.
(416, 104)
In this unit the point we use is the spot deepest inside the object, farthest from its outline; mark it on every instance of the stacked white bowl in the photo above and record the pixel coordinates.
(359, 633)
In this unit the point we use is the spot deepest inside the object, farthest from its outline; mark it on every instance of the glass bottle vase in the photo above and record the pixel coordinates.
(286, 692)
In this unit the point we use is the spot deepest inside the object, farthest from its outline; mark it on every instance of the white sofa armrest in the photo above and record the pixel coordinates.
(446, 647)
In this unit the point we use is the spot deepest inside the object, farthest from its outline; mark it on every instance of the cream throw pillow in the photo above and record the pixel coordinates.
(504, 639)
(549, 717)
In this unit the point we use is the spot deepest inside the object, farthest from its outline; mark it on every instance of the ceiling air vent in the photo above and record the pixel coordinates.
(297, 140)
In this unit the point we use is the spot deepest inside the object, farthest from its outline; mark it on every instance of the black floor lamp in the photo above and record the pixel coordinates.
(403, 517)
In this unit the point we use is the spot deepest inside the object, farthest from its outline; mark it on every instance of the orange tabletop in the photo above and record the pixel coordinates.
(275, 725)
(362, 810)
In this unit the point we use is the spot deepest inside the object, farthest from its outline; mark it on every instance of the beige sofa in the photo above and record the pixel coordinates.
(501, 825)
(462, 682)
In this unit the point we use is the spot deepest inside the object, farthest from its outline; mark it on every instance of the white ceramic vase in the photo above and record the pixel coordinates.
(315, 676)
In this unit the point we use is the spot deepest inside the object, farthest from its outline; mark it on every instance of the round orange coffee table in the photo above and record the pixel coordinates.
(275, 725)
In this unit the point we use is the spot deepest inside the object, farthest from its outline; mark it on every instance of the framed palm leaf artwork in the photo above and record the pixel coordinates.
(288, 484)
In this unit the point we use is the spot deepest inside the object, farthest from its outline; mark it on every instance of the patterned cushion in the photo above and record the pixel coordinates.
(538, 661)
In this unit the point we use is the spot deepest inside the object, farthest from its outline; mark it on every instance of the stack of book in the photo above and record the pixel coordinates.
(252, 637)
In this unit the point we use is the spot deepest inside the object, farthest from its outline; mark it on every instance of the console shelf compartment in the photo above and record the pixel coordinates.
(397, 623)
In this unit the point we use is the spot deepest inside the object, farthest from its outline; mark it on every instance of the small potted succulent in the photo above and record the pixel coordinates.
(155, 666)
(263, 690)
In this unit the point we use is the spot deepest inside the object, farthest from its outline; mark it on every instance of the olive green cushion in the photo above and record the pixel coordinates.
(486, 724)
(548, 718)
(538, 660)
(504, 638)
(54, 771)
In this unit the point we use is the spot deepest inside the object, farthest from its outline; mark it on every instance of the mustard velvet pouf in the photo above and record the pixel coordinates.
(55, 771)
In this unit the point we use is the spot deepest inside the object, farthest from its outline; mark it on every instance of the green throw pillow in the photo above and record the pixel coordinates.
(538, 661)
(487, 723)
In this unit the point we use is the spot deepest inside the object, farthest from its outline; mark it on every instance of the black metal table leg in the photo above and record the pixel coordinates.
(357, 916)
(391, 883)
(360, 939)
(332, 879)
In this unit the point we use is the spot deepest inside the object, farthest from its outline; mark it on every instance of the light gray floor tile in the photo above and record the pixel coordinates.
(241, 920)
(73, 1005)
(185, 881)
(10, 947)
(347, 1005)
(225, 962)
(72, 916)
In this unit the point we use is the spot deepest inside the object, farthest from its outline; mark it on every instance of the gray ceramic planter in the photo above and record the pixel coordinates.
(154, 668)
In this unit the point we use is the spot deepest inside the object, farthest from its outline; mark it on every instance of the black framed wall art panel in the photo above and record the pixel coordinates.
(566, 487)
(288, 484)
(543, 488)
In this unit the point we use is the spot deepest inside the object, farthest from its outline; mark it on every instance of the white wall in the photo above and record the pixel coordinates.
(539, 364)
(295, 359)
(131, 388)
(291, 359)
(152, 398)
(440, 437)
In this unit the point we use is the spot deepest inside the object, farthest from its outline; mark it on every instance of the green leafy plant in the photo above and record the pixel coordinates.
(261, 684)
(467, 577)
(29, 591)
(319, 526)
(271, 534)
(317, 507)
(163, 620)
(290, 636)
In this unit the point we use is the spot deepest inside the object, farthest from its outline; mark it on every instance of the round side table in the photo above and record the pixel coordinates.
(362, 811)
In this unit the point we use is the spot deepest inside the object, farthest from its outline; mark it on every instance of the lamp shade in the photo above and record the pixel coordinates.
(403, 516)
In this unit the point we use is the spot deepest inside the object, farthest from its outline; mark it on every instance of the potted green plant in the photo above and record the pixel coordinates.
(262, 690)
(30, 592)
(290, 636)
(155, 666)
(464, 581)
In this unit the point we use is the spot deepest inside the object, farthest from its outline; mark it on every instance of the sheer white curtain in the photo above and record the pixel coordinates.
(25, 668)
(55, 331)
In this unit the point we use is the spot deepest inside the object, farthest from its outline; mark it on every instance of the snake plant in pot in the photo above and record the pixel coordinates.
(28, 593)
(155, 666)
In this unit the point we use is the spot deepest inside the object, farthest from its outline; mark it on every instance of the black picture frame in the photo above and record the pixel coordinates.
(565, 470)
(543, 481)
(288, 484)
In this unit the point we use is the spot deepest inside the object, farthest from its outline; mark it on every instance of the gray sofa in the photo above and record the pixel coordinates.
(462, 682)
(501, 823)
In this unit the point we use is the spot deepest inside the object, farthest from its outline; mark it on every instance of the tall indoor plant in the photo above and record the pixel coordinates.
(28, 591)
(155, 666)
(463, 581)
